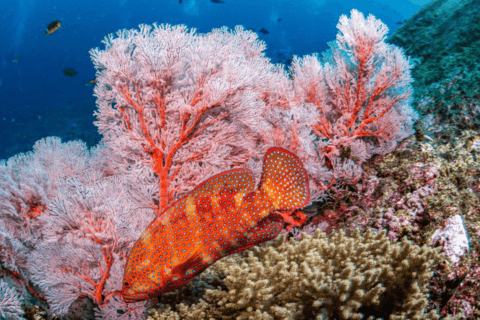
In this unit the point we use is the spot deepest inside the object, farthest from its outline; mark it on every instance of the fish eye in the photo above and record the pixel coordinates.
(125, 284)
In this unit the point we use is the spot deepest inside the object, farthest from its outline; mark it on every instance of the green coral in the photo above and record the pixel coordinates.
(356, 276)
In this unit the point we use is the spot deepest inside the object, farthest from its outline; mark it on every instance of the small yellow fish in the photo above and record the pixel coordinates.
(17, 58)
(222, 216)
(53, 26)
(93, 81)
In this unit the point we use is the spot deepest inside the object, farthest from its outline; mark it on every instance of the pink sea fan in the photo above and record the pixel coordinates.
(184, 105)
(363, 90)
(375, 104)
(87, 234)
(116, 309)
(67, 223)
(348, 106)
(28, 184)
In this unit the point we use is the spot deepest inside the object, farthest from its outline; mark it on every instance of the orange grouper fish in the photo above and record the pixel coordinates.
(221, 216)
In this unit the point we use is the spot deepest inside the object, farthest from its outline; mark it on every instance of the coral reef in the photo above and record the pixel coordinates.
(68, 216)
(412, 192)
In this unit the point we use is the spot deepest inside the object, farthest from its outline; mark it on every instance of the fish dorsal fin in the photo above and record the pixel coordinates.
(284, 179)
(219, 191)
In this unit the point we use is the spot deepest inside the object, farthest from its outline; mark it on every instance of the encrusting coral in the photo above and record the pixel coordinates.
(356, 276)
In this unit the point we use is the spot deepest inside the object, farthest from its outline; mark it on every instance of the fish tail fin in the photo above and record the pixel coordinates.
(284, 180)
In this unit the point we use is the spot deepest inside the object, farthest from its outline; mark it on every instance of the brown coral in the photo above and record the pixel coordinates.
(359, 276)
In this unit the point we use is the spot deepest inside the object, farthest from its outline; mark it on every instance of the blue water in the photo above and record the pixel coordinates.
(38, 100)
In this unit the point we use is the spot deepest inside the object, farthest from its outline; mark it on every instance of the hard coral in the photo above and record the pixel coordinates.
(357, 276)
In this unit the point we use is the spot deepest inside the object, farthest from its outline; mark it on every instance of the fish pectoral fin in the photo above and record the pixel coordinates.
(294, 218)
(267, 229)
(192, 265)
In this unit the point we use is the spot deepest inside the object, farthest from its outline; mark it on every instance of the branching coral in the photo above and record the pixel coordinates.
(359, 276)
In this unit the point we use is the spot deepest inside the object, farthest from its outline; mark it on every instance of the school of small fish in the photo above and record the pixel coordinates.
(221, 216)
(56, 24)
